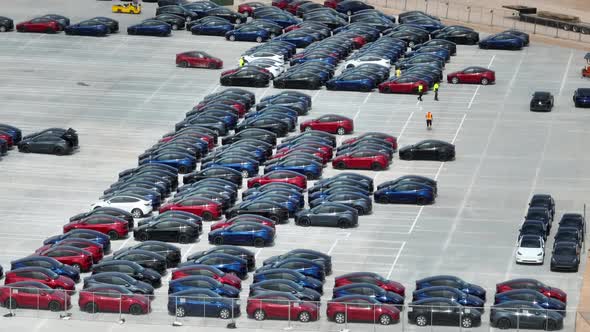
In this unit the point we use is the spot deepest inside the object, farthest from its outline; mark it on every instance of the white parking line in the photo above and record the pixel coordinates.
(399, 252)
(356, 114)
(458, 129)
(564, 78)
(416, 219)
(188, 251)
(332, 247)
(367, 98)
(125, 242)
(257, 252)
(491, 61)
(405, 126)
(477, 89)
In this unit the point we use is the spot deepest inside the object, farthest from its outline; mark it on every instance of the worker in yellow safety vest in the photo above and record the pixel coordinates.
(242, 62)
(398, 72)
(420, 91)
(435, 88)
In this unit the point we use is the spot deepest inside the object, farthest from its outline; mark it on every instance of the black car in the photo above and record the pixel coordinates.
(245, 76)
(298, 80)
(58, 142)
(264, 122)
(460, 36)
(176, 22)
(119, 279)
(442, 311)
(177, 10)
(428, 150)
(171, 252)
(544, 200)
(131, 269)
(565, 256)
(218, 172)
(147, 259)
(540, 213)
(113, 25)
(410, 178)
(313, 255)
(574, 220)
(524, 315)
(243, 253)
(542, 102)
(252, 133)
(6, 24)
(449, 45)
(533, 227)
(268, 209)
(227, 14)
(568, 234)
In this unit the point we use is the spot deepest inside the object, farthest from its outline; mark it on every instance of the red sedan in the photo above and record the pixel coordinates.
(325, 155)
(75, 257)
(331, 123)
(331, 3)
(248, 7)
(198, 59)
(371, 278)
(244, 217)
(207, 271)
(205, 208)
(402, 84)
(358, 308)
(34, 295)
(39, 24)
(476, 75)
(380, 136)
(292, 7)
(540, 287)
(368, 159)
(115, 228)
(95, 249)
(279, 305)
(279, 176)
(281, 3)
(40, 274)
(113, 299)
(236, 105)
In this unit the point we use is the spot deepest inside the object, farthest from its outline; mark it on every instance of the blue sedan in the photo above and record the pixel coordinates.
(203, 282)
(304, 266)
(452, 281)
(289, 274)
(248, 167)
(371, 290)
(449, 293)
(409, 192)
(315, 57)
(49, 263)
(436, 50)
(248, 33)
(87, 28)
(202, 303)
(282, 19)
(87, 234)
(530, 295)
(502, 41)
(351, 82)
(150, 28)
(224, 262)
(183, 162)
(293, 196)
(212, 27)
(311, 169)
(243, 233)
(299, 39)
(582, 97)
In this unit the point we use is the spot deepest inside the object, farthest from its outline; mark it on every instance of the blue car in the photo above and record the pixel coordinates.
(212, 27)
(310, 169)
(289, 274)
(224, 262)
(243, 233)
(299, 39)
(425, 24)
(409, 192)
(452, 281)
(532, 296)
(248, 167)
(202, 282)
(48, 263)
(350, 7)
(319, 57)
(87, 28)
(87, 234)
(230, 119)
(367, 289)
(436, 50)
(293, 196)
(502, 41)
(351, 82)
(14, 132)
(248, 33)
(282, 19)
(449, 293)
(582, 97)
(183, 162)
(200, 302)
(150, 28)
(304, 266)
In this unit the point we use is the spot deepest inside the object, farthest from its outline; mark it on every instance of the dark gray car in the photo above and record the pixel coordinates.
(524, 315)
(171, 252)
(362, 203)
(328, 214)
(565, 256)
(119, 279)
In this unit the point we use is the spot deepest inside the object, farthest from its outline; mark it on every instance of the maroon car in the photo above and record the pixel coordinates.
(115, 228)
(248, 7)
(281, 3)
(207, 271)
(40, 24)
(77, 258)
(533, 284)
(113, 299)
(203, 207)
(362, 159)
(371, 278)
(407, 84)
(360, 308)
(475, 75)
(279, 176)
(198, 59)
(40, 274)
(294, 5)
(95, 249)
(244, 217)
(34, 295)
(331, 123)
(319, 153)
(381, 136)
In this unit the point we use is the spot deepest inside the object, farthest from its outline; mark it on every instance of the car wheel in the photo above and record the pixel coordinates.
(385, 320)
(10, 303)
(224, 313)
(259, 39)
(503, 324)
(207, 216)
(218, 240)
(304, 317)
(135, 309)
(91, 307)
(258, 242)
(274, 218)
(137, 213)
(259, 314)
(77, 267)
(551, 325)
(443, 156)
(113, 235)
(466, 322)
(360, 210)
(305, 222)
(58, 150)
(183, 64)
(2, 29)
(175, 27)
(340, 318)
(182, 169)
(309, 175)
(421, 200)
(143, 237)
(340, 165)
(180, 311)
(376, 167)
(232, 38)
(213, 66)
(341, 131)
(27, 149)
(54, 306)
(421, 320)
(49, 30)
(455, 80)
(183, 238)
(342, 223)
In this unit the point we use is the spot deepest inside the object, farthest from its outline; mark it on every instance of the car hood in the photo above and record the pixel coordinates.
(564, 259)
(529, 252)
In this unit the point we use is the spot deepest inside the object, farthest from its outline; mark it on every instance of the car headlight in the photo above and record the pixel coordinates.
(553, 260)
(519, 253)
(540, 254)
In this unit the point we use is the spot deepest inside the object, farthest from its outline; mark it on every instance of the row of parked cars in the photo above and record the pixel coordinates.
(9, 136)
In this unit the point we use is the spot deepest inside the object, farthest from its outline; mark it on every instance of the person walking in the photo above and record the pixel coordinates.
(420, 91)
(435, 88)
(398, 72)
(428, 120)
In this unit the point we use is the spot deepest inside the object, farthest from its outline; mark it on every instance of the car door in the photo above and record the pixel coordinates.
(276, 306)
(425, 150)
(240, 233)
(467, 76)
(323, 216)
(530, 317)
(163, 231)
(440, 313)
(324, 123)
(27, 297)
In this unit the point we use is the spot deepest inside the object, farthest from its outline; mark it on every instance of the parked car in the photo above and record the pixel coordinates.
(244, 233)
(582, 97)
(110, 298)
(54, 141)
(533, 284)
(198, 59)
(131, 269)
(48, 263)
(442, 311)
(371, 278)
(39, 274)
(541, 101)
(119, 279)
(361, 308)
(565, 256)
(33, 295)
(531, 249)
(200, 302)
(452, 281)
(279, 305)
(150, 28)
(477, 75)
(502, 41)
(524, 315)
(428, 150)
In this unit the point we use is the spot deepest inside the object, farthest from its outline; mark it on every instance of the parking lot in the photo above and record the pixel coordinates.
(121, 93)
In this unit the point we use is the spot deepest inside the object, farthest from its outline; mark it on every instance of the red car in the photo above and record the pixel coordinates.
(371, 278)
(7, 138)
(244, 217)
(477, 75)
(279, 305)
(281, 3)
(236, 105)
(318, 153)
(403, 84)
(533, 284)
(198, 59)
(39, 24)
(75, 257)
(42, 275)
(203, 207)
(293, 5)
(279, 176)
(35, 295)
(331, 123)
(332, 3)
(115, 228)
(172, 136)
(113, 299)
(248, 7)
(95, 249)
(380, 136)
(367, 159)
(207, 271)
(359, 308)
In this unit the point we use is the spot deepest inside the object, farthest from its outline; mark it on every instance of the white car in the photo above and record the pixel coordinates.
(531, 250)
(138, 207)
(367, 59)
(274, 68)
(264, 55)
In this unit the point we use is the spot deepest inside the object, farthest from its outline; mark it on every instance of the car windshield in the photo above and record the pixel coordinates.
(566, 251)
(530, 243)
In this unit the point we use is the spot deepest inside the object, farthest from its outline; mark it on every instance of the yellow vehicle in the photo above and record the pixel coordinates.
(127, 8)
